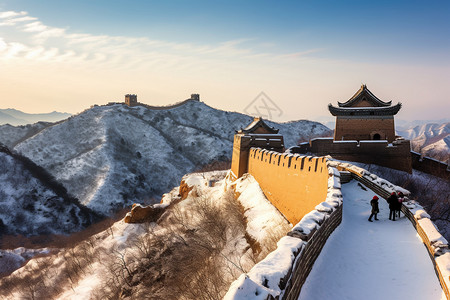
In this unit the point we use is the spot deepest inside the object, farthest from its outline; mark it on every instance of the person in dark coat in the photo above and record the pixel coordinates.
(401, 198)
(393, 204)
(375, 210)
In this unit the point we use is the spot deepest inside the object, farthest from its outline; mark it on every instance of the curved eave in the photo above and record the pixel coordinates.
(255, 125)
(364, 111)
(271, 130)
(364, 92)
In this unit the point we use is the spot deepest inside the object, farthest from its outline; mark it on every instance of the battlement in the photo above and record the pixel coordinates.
(294, 184)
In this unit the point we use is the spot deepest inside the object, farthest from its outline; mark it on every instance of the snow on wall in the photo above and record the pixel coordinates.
(387, 186)
(269, 278)
(436, 244)
(294, 184)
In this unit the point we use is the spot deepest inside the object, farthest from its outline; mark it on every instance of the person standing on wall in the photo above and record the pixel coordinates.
(393, 203)
(375, 210)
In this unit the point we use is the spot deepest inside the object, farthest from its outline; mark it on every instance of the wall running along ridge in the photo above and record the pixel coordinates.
(294, 184)
(430, 165)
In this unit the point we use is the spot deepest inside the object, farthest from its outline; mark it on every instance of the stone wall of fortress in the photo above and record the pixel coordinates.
(354, 128)
(395, 155)
(294, 184)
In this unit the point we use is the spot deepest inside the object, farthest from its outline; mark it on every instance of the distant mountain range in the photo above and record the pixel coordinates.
(400, 124)
(16, 117)
(112, 156)
(432, 140)
(430, 137)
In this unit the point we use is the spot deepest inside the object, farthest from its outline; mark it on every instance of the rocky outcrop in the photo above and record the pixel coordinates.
(185, 189)
(141, 214)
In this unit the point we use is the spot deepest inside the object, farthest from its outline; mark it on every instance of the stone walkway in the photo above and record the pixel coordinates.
(371, 261)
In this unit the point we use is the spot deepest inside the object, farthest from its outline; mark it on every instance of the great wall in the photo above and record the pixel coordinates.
(306, 189)
(131, 100)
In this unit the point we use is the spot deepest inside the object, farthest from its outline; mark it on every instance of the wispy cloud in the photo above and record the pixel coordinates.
(40, 42)
(12, 18)
(11, 14)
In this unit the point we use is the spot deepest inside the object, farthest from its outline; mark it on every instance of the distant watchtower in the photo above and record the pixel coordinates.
(131, 100)
(195, 97)
(364, 117)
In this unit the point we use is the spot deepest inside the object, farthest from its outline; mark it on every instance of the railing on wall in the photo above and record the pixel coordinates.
(304, 263)
(274, 278)
(435, 247)
(431, 249)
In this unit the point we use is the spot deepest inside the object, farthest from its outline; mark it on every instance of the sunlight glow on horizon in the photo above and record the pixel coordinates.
(46, 68)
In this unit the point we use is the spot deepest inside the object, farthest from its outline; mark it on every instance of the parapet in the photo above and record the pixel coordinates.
(395, 155)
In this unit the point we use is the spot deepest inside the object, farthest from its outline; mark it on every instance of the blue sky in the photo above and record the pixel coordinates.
(297, 52)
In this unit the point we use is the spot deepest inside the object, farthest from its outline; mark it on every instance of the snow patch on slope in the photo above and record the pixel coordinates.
(112, 156)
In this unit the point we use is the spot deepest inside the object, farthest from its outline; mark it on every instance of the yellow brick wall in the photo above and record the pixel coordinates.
(294, 188)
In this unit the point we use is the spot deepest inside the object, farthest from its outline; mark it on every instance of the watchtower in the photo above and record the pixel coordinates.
(364, 117)
(195, 97)
(256, 134)
(131, 99)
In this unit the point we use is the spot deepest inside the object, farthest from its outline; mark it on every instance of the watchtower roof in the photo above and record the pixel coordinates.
(259, 126)
(364, 94)
(364, 111)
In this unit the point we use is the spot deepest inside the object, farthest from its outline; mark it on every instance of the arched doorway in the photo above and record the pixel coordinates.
(377, 136)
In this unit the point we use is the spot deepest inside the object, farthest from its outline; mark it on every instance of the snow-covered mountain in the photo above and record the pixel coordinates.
(403, 125)
(432, 139)
(32, 203)
(112, 156)
(16, 117)
(11, 135)
(197, 247)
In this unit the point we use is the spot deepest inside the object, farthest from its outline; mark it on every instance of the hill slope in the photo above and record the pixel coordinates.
(32, 203)
(196, 248)
(11, 135)
(112, 156)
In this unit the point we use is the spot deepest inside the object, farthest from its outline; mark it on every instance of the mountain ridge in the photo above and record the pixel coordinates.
(111, 156)
(16, 117)
(431, 139)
